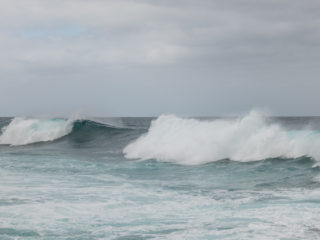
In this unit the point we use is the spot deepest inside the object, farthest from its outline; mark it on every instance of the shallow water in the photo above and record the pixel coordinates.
(82, 186)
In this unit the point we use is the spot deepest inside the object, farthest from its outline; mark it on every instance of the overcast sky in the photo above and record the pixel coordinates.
(145, 58)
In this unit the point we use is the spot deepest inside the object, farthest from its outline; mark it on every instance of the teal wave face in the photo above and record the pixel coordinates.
(84, 131)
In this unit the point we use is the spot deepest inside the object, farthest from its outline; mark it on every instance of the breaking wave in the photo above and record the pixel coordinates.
(22, 131)
(250, 138)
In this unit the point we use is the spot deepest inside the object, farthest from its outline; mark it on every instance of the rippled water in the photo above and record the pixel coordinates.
(82, 186)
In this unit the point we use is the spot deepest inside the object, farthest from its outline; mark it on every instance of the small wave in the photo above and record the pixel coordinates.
(22, 131)
(191, 141)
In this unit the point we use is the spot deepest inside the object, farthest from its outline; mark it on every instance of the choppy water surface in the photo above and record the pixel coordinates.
(172, 178)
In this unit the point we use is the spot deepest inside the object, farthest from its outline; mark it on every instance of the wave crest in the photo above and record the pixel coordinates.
(191, 141)
(22, 131)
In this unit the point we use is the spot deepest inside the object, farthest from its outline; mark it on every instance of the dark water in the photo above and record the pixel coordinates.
(248, 178)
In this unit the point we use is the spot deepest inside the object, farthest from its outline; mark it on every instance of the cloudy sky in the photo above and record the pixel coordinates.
(147, 57)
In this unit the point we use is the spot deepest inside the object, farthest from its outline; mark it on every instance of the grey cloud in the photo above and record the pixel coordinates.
(143, 32)
(205, 49)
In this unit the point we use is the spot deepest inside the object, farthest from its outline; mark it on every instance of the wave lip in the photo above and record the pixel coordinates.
(22, 131)
(190, 141)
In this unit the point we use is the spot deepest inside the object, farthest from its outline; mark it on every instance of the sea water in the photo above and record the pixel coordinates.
(252, 177)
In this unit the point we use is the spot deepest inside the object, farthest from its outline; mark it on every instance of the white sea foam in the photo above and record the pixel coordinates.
(23, 131)
(191, 141)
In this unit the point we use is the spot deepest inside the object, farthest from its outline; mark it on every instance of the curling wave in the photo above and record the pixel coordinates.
(22, 131)
(251, 138)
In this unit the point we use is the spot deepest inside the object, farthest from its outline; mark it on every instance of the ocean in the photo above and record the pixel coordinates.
(252, 177)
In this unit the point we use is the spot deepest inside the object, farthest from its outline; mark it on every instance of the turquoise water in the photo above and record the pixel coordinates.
(85, 185)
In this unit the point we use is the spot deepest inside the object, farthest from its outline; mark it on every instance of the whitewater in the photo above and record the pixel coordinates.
(186, 140)
(190, 141)
(170, 177)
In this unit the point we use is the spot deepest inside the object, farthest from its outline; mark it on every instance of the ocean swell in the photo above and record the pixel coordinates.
(22, 131)
(250, 138)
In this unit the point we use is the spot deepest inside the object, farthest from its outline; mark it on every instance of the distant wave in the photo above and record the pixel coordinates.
(191, 141)
(22, 131)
